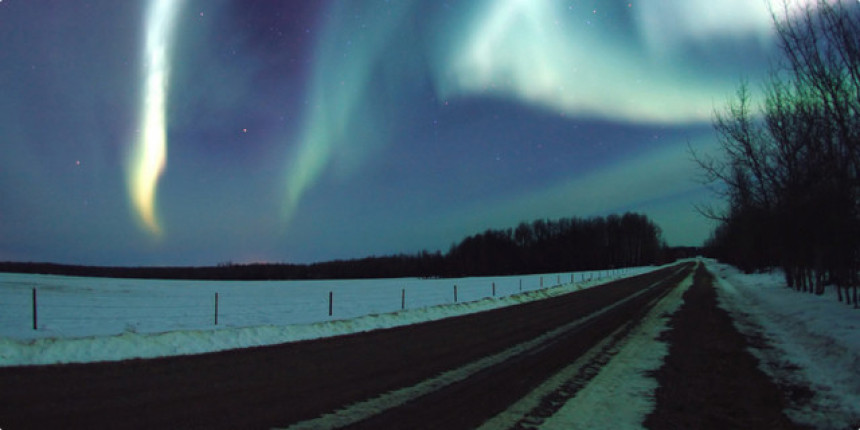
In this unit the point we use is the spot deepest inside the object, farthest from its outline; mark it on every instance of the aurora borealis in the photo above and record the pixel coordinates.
(151, 150)
(203, 131)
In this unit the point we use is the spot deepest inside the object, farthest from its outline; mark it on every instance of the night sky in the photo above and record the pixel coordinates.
(199, 132)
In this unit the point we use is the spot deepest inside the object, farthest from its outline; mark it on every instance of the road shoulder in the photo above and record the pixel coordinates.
(709, 379)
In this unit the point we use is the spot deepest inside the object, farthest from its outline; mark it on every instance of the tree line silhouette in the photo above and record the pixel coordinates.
(789, 168)
(567, 244)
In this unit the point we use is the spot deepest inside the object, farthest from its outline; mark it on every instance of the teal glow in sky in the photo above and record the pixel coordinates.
(151, 149)
(521, 50)
(142, 132)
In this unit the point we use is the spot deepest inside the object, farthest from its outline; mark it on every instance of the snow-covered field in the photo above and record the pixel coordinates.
(813, 342)
(98, 319)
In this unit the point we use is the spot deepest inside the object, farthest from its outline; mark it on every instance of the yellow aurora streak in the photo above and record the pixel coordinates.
(150, 152)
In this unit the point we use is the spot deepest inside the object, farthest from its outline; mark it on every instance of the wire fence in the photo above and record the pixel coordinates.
(37, 306)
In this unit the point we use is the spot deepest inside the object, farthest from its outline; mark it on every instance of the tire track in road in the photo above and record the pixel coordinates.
(605, 384)
(280, 385)
(364, 410)
(486, 387)
(709, 378)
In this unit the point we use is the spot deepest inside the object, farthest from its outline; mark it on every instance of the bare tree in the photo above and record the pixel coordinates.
(789, 169)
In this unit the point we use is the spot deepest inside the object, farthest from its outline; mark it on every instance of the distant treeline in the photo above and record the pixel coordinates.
(569, 244)
(555, 246)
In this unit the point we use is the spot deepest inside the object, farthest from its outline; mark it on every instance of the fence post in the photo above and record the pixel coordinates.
(403, 299)
(541, 281)
(494, 289)
(35, 314)
(216, 308)
(330, 302)
(521, 285)
(455, 293)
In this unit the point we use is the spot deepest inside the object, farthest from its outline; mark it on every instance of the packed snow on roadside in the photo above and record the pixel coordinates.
(83, 319)
(811, 343)
(620, 394)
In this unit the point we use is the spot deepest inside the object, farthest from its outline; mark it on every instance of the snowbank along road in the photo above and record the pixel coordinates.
(452, 373)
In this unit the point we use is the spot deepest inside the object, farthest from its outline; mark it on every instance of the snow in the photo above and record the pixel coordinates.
(812, 342)
(620, 395)
(103, 319)
(357, 412)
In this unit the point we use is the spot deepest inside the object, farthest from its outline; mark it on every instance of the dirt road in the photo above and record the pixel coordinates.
(452, 373)
(710, 380)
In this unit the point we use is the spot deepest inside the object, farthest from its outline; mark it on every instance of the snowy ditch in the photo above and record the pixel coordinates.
(104, 319)
(809, 344)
